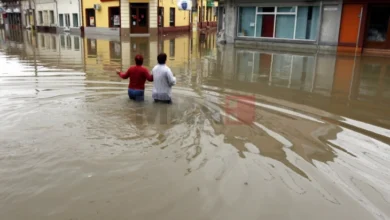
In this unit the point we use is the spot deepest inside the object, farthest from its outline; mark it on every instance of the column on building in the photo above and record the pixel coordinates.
(153, 17)
(230, 21)
(125, 17)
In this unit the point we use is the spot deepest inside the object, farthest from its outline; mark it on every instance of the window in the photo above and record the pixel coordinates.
(171, 17)
(61, 18)
(40, 17)
(67, 20)
(160, 16)
(52, 17)
(75, 18)
(90, 12)
(45, 18)
(297, 22)
(114, 17)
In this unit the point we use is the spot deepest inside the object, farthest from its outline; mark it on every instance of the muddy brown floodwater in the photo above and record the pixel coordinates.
(251, 134)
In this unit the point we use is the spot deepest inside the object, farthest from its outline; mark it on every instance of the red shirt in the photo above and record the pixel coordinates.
(138, 76)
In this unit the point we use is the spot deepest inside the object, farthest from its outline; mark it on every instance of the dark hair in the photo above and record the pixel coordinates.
(162, 58)
(139, 60)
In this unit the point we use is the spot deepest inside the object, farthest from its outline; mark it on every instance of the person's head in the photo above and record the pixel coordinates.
(162, 58)
(139, 60)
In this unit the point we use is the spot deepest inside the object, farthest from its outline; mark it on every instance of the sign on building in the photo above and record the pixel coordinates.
(185, 5)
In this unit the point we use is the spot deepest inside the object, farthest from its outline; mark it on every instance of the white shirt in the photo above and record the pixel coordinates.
(163, 80)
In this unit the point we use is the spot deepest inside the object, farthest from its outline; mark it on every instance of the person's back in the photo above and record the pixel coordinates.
(138, 76)
(163, 80)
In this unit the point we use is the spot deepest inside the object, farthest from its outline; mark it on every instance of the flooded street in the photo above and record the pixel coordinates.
(73, 146)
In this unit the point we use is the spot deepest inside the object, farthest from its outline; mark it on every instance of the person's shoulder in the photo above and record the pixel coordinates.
(168, 69)
(145, 68)
(133, 67)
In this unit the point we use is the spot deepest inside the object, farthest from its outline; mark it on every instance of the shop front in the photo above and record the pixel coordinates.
(365, 26)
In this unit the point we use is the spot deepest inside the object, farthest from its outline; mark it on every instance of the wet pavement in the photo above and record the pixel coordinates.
(251, 134)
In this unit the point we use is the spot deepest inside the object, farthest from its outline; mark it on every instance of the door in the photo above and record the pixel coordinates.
(139, 14)
(378, 30)
(350, 23)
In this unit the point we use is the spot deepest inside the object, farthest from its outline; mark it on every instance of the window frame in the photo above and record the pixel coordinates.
(66, 23)
(61, 21)
(73, 20)
(276, 13)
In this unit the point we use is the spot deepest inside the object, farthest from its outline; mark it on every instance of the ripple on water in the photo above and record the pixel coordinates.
(75, 147)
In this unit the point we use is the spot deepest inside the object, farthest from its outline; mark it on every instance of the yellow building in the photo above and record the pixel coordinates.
(125, 17)
(170, 18)
(119, 17)
(207, 8)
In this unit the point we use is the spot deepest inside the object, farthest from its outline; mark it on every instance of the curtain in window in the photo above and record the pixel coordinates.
(247, 21)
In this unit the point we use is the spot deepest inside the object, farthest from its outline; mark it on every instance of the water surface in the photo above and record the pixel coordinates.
(310, 138)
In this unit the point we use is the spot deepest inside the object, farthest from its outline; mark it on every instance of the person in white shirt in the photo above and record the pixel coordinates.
(163, 80)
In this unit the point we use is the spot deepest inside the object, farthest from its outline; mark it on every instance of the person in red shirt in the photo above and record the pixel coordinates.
(138, 76)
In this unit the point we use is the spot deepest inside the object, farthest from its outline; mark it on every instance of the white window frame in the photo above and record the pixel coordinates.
(275, 13)
(63, 20)
(66, 23)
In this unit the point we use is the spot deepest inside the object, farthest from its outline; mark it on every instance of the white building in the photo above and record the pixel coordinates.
(69, 15)
(46, 15)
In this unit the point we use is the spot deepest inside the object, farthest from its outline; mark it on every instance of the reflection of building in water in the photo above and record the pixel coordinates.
(63, 51)
(342, 84)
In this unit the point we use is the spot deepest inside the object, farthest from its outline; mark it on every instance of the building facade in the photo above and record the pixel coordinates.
(46, 15)
(365, 26)
(69, 16)
(281, 23)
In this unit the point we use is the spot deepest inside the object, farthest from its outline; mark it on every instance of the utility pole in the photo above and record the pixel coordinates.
(201, 14)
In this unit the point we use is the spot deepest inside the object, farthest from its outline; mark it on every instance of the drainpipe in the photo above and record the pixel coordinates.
(319, 25)
(35, 18)
(201, 13)
(57, 12)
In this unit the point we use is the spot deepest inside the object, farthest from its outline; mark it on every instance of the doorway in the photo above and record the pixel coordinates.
(378, 30)
(139, 18)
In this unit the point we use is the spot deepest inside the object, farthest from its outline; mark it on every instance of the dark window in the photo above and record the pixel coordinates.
(67, 20)
(90, 16)
(61, 18)
(52, 17)
(160, 16)
(172, 17)
(114, 16)
(75, 20)
(40, 17)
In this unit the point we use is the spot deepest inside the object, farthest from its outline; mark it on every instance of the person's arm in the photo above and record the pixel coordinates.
(148, 76)
(123, 75)
(171, 78)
